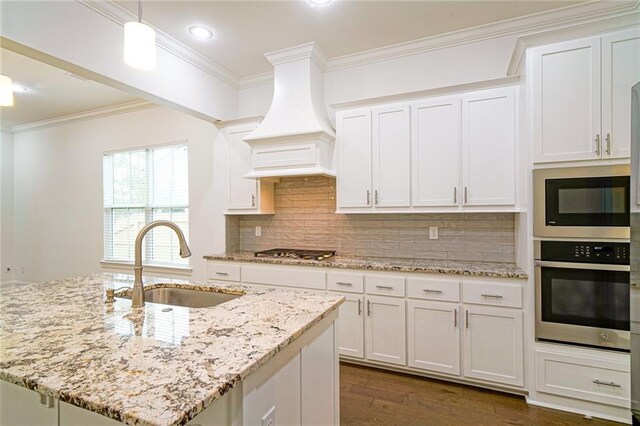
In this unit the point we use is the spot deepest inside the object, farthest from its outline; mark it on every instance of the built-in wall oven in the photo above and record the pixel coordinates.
(582, 293)
(582, 202)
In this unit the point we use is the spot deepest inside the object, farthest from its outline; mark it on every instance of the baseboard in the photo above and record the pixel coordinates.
(585, 412)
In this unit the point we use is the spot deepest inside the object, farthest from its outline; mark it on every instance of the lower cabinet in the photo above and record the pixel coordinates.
(493, 346)
(351, 337)
(21, 406)
(434, 336)
(385, 330)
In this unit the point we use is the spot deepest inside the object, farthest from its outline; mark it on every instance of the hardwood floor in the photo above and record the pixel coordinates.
(375, 397)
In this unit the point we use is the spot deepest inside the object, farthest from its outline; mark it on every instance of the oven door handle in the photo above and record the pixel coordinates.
(570, 265)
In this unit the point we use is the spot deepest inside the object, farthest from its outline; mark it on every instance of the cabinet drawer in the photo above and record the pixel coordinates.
(591, 379)
(433, 289)
(385, 285)
(288, 277)
(345, 281)
(222, 271)
(495, 294)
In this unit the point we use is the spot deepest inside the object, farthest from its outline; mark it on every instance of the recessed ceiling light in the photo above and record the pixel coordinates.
(18, 88)
(201, 33)
(319, 2)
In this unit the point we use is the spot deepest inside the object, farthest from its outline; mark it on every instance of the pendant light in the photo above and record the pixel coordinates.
(6, 91)
(139, 44)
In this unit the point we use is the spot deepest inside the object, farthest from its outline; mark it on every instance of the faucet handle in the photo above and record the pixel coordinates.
(111, 294)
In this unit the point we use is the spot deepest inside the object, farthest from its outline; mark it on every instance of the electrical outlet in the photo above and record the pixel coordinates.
(269, 419)
(433, 232)
(258, 231)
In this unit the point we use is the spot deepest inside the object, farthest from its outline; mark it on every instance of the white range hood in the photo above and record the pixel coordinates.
(296, 137)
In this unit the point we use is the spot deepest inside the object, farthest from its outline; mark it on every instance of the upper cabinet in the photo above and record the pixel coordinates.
(582, 95)
(454, 153)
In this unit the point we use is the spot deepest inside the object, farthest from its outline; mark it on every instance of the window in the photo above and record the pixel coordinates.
(141, 186)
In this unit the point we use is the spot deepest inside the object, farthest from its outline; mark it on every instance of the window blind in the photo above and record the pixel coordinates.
(141, 186)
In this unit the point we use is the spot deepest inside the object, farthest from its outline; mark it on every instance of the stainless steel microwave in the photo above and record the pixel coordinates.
(583, 202)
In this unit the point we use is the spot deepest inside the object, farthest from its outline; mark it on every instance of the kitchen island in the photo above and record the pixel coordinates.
(69, 358)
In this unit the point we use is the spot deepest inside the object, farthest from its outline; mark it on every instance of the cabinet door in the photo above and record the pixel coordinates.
(434, 336)
(493, 345)
(354, 158)
(435, 138)
(21, 406)
(351, 337)
(620, 72)
(391, 156)
(566, 101)
(385, 330)
(243, 192)
(488, 148)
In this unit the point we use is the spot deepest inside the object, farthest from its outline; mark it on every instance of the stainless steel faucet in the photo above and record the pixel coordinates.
(137, 297)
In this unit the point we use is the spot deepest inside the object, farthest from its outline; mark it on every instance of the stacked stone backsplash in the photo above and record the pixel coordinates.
(305, 218)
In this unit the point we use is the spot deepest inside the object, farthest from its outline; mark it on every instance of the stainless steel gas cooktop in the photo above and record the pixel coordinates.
(296, 253)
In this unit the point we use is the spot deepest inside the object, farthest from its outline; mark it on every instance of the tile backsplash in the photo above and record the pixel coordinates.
(305, 218)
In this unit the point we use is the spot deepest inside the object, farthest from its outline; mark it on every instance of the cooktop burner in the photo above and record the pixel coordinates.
(296, 253)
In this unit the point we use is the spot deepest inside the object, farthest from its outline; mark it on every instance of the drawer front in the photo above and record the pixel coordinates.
(591, 379)
(433, 289)
(287, 277)
(345, 281)
(494, 294)
(385, 285)
(223, 271)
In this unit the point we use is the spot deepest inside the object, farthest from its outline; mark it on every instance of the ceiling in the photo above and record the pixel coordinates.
(245, 30)
(52, 92)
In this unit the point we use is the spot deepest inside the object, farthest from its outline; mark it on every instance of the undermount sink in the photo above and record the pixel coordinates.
(188, 298)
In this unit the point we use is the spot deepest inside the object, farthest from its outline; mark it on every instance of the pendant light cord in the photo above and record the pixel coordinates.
(139, 11)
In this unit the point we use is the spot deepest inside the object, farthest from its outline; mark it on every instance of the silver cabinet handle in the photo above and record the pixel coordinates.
(492, 296)
(222, 273)
(455, 195)
(598, 144)
(612, 384)
(359, 307)
(427, 290)
(368, 308)
(343, 283)
(608, 140)
(47, 401)
(368, 197)
(376, 196)
(466, 318)
(253, 200)
(465, 195)
(384, 287)
(43, 399)
(455, 318)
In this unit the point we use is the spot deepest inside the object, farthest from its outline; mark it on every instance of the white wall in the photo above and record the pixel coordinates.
(6, 204)
(58, 189)
(467, 63)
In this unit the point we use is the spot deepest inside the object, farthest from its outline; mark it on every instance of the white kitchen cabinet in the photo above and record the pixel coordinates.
(351, 334)
(493, 345)
(582, 97)
(391, 156)
(21, 406)
(354, 158)
(435, 138)
(385, 330)
(245, 196)
(620, 72)
(489, 147)
(434, 336)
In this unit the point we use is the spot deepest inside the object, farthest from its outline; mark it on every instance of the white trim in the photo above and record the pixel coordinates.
(120, 16)
(180, 142)
(137, 105)
(150, 268)
(537, 22)
(575, 410)
(254, 120)
(263, 79)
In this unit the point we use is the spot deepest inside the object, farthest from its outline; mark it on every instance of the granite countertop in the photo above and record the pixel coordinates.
(455, 267)
(144, 366)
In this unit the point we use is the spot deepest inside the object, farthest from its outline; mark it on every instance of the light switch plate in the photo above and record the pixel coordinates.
(269, 419)
(258, 231)
(433, 232)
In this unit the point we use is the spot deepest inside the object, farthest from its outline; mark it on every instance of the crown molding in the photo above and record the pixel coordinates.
(120, 16)
(537, 22)
(255, 80)
(223, 124)
(85, 115)
(303, 51)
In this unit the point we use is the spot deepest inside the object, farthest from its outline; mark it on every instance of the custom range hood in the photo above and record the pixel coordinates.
(296, 137)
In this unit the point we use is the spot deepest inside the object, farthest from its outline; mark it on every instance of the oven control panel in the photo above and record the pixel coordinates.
(586, 252)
